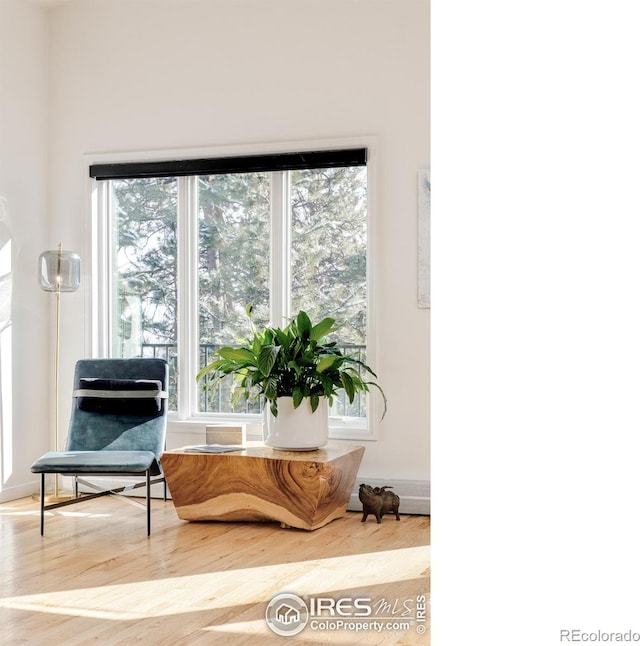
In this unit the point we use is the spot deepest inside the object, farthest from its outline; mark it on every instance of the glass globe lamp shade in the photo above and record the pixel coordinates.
(59, 271)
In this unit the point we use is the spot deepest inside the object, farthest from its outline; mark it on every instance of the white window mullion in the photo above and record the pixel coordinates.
(102, 274)
(187, 296)
(280, 273)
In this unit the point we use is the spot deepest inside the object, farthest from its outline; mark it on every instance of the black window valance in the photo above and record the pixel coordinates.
(223, 165)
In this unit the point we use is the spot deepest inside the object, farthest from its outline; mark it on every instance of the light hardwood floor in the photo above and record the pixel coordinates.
(95, 577)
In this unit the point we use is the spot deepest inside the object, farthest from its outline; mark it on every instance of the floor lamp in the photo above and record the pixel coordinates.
(58, 271)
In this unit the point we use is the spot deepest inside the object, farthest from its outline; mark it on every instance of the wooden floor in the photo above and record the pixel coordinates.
(95, 577)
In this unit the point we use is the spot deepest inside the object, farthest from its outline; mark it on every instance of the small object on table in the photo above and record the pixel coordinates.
(213, 448)
(218, 434)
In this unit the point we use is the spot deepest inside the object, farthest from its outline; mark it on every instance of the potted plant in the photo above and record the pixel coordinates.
(287, 368)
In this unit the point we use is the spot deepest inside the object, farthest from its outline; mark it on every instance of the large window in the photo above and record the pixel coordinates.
(185, 251)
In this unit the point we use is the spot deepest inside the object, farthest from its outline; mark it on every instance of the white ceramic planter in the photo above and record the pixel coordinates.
(296, 429)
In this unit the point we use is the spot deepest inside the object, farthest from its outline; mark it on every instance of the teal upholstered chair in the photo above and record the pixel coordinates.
(117, 428)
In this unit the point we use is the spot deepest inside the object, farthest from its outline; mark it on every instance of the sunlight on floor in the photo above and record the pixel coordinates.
(176, 595)
(78, 514)
(7, 511)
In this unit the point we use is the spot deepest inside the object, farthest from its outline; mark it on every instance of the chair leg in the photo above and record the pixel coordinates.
(148, 503)
(164, 482)
(42, 504)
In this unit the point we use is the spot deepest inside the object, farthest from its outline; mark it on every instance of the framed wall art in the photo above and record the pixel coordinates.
(424, 238)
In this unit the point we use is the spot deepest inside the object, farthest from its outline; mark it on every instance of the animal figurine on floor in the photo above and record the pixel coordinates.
(378, 501)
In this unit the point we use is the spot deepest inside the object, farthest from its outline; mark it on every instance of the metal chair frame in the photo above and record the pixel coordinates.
(117, 492)
(118, 433)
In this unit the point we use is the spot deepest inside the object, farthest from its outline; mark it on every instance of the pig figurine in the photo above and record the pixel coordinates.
(378, 501)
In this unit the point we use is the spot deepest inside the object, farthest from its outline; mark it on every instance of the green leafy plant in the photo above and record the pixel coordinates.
(297, 361)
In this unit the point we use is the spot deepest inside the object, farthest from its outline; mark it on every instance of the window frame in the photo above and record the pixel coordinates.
(188, 419)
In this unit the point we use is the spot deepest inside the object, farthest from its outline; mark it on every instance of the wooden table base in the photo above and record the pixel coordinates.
(300, 489)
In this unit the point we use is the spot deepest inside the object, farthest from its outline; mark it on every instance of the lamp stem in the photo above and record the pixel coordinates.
(57, 361)
(57, 380)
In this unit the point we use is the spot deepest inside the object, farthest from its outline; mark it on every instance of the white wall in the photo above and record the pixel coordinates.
(25, 325)
(130, 75)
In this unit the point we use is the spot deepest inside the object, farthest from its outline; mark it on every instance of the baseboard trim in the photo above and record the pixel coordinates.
(19, 491)
(415, 495)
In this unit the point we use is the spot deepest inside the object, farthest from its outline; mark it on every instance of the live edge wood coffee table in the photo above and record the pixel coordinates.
(303, 489)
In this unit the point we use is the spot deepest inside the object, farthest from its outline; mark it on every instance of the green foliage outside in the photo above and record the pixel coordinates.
(328, 256)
